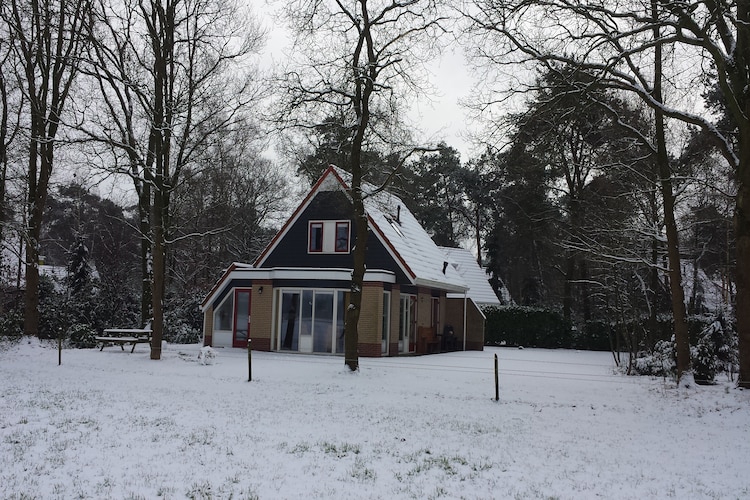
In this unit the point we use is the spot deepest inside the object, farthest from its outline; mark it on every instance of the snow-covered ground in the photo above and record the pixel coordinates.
(112, 424)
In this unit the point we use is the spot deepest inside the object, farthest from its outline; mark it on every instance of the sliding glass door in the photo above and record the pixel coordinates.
(311, 321)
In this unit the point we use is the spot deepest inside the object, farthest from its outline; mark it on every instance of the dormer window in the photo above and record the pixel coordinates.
(329, 237)
(316, 237)
(342, 237)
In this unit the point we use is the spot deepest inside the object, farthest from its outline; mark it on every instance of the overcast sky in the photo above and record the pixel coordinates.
(440, 117)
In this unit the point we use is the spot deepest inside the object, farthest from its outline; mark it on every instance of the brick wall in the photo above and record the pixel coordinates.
(369, 350)
(424, 307)
(371, 315)
(260, 344)
(261, 315)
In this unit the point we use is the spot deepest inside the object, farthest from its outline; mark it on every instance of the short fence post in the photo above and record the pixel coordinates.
(249, 361)
(497, 384)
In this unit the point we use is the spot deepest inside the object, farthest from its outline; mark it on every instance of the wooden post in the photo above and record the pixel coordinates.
(249, 361)
(497, 384)
(59, 348)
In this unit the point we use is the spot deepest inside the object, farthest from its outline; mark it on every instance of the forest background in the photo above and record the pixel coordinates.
(602, 198)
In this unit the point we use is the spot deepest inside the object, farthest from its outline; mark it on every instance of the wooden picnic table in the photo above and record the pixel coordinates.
(124, 336)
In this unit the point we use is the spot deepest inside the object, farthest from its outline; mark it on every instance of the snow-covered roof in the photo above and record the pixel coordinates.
(464, 262)
(409, 244)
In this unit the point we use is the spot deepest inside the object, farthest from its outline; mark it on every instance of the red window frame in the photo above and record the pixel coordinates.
(336, 247)
(313, 226)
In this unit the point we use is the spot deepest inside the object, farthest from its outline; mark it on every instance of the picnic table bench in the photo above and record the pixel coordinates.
(124, 336)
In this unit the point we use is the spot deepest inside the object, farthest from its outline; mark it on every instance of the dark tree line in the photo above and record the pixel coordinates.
(603, 200)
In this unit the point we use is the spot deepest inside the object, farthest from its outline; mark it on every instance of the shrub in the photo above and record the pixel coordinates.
(183, 321)
(81, 336)
(594, 336)
(11, 323)
(715, 350)
(661, 362)
(526, 326)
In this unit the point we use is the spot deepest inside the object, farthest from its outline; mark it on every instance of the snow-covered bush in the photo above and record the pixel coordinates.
(661, 362)
(183, 321)
(54, 318)
(11, 324)
(207, 355)
(81, 336)
(715, 350)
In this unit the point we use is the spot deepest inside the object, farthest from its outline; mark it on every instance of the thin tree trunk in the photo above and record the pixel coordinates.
(682, 341)
(159, 263)
(144, 213)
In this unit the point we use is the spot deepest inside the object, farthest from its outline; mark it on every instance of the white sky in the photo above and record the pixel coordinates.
(440, 117)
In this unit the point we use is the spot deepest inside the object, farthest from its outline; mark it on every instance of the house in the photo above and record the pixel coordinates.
(469, 313)
(293, 297)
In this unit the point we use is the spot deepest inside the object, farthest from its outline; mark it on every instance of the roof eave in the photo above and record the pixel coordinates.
(448, 287)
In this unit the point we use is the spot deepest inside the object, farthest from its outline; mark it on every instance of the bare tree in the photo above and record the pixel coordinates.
(170, 77)
(622, 43)
(11, 106)
(224, 210)
(49, 37)
(361, 59)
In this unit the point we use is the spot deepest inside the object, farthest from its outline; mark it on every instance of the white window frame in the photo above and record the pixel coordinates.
(329, 236)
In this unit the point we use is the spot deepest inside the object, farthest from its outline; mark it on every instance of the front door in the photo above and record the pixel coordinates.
(407, 331)
(241, 318)
(323, 324)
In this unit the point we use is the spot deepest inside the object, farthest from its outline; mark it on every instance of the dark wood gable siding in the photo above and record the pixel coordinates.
(291, 250)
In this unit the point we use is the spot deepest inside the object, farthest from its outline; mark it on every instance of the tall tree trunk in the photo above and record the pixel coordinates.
(4, 116)
(585, 293)
(742, 231)
(682, 341)
(652, 294)
(570, 265)
(40, 170)
(351, 319)
(742, 208)
(159, 263)
(147, 276)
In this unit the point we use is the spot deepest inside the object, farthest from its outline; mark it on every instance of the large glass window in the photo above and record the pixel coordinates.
(242, 318)
(290, 321)
(307, 313)
(323, 322)
(341, 302)
(223, 315)
(312, 321)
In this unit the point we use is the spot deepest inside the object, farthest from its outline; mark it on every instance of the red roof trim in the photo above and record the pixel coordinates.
(329, 171)
(219, 283)
(259, 261)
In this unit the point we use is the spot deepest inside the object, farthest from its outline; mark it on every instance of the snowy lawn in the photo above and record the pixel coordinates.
(117, 425)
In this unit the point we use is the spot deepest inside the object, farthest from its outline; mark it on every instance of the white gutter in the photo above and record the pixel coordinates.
(442, 285)
(297, 273)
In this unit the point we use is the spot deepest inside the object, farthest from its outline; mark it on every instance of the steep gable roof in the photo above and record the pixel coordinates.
(480, 290)
(395, 226)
